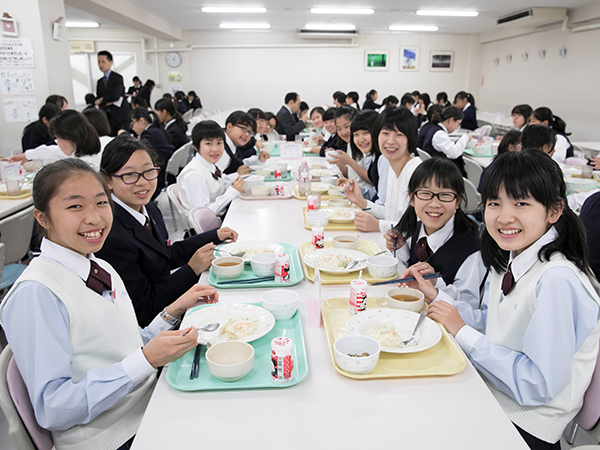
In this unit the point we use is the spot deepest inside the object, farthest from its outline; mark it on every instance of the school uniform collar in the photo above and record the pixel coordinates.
(168, 124)
(440, 237)
(229, 143)
(523, 261)
(139, 216)
(210, 166)
(148, 127)
(523, 127)
(443, 128)
(467, 106)
(78, 264)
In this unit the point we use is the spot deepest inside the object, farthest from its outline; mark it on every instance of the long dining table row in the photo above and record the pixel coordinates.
(326, 410)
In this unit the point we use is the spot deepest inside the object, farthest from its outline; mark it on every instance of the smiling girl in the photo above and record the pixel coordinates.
(435, 234)
(535, 338)
(89, 369)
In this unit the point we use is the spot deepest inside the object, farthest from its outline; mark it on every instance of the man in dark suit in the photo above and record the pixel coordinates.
(287, 122)
(110, 94)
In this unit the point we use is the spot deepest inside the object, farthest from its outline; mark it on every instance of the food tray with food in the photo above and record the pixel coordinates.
(331, 225)
(287, 193)
(23, 194)
(443, 359)
(178, 372)
(486, 152)
(296, 274)
(324, 195)
(367, 247)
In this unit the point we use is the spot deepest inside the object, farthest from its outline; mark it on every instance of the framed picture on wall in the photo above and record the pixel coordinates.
(409, 59)
(441, 61)
(9, 26)
(376, 60)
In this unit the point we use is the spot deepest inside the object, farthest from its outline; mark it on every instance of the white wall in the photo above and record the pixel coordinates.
(569, 87)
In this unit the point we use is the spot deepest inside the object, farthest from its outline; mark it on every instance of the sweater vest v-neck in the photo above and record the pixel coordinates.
(216, 188)
(428, 147)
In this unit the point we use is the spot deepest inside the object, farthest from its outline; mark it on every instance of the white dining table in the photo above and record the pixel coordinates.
(326, 410)
(9, 207)
(592, 147)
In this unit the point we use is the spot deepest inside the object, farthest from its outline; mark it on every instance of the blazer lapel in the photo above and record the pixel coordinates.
(139, 232)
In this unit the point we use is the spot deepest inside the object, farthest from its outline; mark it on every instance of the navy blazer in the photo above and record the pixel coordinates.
(469, 121)
(32, 137)
(422, 134)
(145, 93)
(590, 217)
(111, 93)
(287, 124)
(158, 141)
(235, 162)
(370, 104)
(178, 137)
(145, 262)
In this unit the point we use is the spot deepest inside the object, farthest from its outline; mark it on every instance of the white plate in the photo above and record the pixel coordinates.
(404, 324)
(264, 246)
(221, 313)
(319, 187)
(309, 259)
(348, 219)
(322, 172)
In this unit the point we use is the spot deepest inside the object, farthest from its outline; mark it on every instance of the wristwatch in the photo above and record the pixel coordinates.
(173, 321)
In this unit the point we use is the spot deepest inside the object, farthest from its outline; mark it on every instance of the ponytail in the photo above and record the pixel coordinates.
(179, 120)
(544, 114)
(450, 112)
(559, 126)
(151, 118)
(165, 104)
(370, 94)
(462, 95)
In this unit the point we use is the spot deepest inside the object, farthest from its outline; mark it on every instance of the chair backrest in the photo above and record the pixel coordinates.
(573, 161)
(2, 250)
(589, 414)
(173, 194)
(423, 154)
(203, 219)
(188, 115)
(474, 170)
(197, 112)
(484, 130)
(178, 159)
(471, 203)
(16, 231)
(23, 429)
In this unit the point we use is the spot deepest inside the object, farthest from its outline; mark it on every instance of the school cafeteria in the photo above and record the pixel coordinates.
(330, 225)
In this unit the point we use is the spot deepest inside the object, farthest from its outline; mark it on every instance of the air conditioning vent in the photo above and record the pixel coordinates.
(326, 34)
(516, 16)
(533, 17)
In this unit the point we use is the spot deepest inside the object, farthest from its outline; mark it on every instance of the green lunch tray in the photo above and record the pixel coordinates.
(296, 274)
(288, 177)
(470, 152)
(178, 372)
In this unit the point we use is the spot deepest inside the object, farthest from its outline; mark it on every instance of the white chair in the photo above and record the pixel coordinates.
(423, 154)
(484, 131)
(16, 231)
(203, 219)
(176, 162)
(573, 161)
(472, 203)
(173, 194)
(197, 112)
(188, 115)
(474, 170)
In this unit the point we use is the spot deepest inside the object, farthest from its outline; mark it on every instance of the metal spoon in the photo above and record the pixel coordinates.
(231, 254)
(354, 262)
(210, 327)
(419, 322)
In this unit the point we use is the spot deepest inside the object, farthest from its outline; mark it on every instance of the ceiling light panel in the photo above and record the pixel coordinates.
(342, 11)
(73, 24)
(330, 26)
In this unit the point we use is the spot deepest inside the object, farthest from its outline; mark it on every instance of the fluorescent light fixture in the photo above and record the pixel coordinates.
(330, 26)
(435, 12)
(245, 26)
(70, 24)
(342, 11)
(413, 28)
(234, 9)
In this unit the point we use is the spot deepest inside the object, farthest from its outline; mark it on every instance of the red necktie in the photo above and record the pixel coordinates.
(422, 251)
(508, 281)
(148, 227)
(99, 279)
(217, 173)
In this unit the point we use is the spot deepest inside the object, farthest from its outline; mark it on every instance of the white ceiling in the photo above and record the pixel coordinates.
(287, 15)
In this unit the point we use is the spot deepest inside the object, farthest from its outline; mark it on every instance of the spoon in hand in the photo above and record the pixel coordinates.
(419, 322)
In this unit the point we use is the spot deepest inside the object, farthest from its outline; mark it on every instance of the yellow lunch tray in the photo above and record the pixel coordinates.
(324, 195)
(443, 359)
(25, 194)
(367, 247)
(331, 226)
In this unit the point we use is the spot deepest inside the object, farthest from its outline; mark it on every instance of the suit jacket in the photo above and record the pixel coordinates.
(287, 124)
(178, 137)
(113, 90)
(145, 262)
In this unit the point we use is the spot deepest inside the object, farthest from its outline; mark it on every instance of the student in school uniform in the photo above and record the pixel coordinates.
(90, 102)
(371, 98)
(424, 103)
(466, 103)
(146, 91)
(332, 142)
(135, 89)
(339, 99)
(287, 124)
(201, 182)
(437, 142)
(89, 369)
(391, 101)
(352, 100)
(442, 99)
(97, 118)
(590, 218)
(343, 122)
(520, 115)
(58, 100)
(239, 130)
(511, 142)
(36, 133)
(270, 127)
(172, 121)
(535, 338)
(256, 141)
(138, 246)
(563, 147)
(75, 137)
(110, 94)
(435, 235)
(148, 128)
(396, 134)
(194, 101)
(541, 137)
(181, 102)
(431, 112)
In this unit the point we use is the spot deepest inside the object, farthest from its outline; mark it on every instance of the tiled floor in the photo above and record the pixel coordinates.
(582, 437)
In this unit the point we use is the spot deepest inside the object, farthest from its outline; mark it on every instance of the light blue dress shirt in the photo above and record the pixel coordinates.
(36, 323)
(564, 317)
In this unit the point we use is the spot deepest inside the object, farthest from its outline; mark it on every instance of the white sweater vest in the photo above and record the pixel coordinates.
(506, 326)
(216, 188)
(101, 334)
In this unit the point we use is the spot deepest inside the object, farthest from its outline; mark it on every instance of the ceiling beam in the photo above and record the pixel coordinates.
(127, 14)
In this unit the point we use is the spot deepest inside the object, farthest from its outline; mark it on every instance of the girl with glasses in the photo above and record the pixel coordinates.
(435, 235)
(138, 246)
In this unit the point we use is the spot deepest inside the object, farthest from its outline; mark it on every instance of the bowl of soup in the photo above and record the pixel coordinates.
(228, 267)
(346, 241)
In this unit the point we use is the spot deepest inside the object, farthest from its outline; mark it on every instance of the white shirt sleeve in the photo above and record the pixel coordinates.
(442, 143)
(196, 189)
(47, 153)
(560, 149)
(466, 284)
(252, 161)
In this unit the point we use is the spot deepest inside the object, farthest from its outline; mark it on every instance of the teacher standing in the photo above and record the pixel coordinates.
(110, 94)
